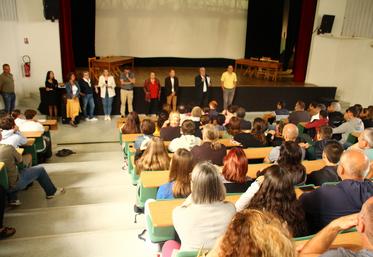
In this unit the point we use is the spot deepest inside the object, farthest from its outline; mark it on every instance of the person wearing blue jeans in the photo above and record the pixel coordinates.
(86, 91)
(106, 83)
(7, 88)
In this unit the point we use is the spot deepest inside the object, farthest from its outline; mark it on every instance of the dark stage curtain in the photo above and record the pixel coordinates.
(264, 27)
(302, 47)
(83, 20)
(67, 55)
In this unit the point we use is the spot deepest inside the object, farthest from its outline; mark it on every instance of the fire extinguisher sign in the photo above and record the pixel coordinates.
(26, 66)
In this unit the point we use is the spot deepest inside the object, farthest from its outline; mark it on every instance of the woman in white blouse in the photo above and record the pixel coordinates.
(72, 95)
(106, 83)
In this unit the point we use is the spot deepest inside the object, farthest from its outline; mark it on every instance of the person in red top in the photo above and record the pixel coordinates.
(316, 124)
(152, 89)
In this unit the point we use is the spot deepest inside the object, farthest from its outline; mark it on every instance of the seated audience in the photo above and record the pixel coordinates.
(205, 119)
(323, 137)
(10, 133)
(314, 110)
(246, 233)
(365, 142)
(281, 112)
(154, 157)
(196, 118)
(244, 124)
(183, 111)
(367, 116)
(276, 137)
(299, 114)
(147, 127)
(179, 179)
(171, 127)
(275, 193)
(213, 106)
(18, 117)
(317, 123)
(132, 124)
(235, 170)
(162, 117)
(335, 115)
(333, 201)
(219, 121)
(187, 139)
(256, 138)
(320, 244)
(5, 232)
(352, 124)
(289, 133)
(359, 109)
(210, 149)
(331, 156)
(291, 160)
(230, 112)
(31, 125)
(204, 216)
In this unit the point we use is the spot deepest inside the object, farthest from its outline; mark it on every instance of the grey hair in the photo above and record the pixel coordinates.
(368, 136)
(353, 165)
(336, 106)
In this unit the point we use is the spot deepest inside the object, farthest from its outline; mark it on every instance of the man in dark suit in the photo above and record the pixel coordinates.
(202, 84)
(171, 86)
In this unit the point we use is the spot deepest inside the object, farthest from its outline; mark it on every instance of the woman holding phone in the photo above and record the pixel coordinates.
(106, 83)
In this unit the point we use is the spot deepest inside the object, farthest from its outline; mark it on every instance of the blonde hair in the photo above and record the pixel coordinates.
(256, 233)
(196, 112)
(155, 157)
(174, 117)
(207, 185)
(211, 133)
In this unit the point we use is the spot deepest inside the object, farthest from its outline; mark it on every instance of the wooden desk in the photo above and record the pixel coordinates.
(20, 150)
(151, 179)
(52, 124)
(112, 63)
(257, 153)
(228, 142)
(350, 240)
(257, 64)
(161, 211)
(129, 137)
(32, 134)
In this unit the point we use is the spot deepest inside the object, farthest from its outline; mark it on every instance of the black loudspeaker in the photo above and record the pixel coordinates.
(51, 9)
(326, 24)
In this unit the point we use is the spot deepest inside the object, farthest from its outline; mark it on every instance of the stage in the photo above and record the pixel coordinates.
(253, 94)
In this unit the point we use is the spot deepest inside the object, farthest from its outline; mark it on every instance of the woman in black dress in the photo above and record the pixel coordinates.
(51, 85)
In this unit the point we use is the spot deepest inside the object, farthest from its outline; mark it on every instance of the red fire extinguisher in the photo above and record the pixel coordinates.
(26, 66)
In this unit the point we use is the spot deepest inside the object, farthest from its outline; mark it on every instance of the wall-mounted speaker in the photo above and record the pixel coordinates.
(326, 24)
(51, 9)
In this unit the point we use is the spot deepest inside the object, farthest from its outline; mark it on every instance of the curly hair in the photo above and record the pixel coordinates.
(256, 233)
(277, 195)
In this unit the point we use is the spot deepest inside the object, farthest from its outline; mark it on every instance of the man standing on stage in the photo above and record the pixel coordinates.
(7, 88)
(202, 84)
(228, 84)
(171, 84)
(127, 82)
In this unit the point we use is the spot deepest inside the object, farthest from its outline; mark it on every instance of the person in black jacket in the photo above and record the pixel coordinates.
(171, 86)
(334, 114)
(202, 84)
(86, 91)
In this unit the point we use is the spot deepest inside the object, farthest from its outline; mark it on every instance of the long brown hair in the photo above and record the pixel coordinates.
(155, 157)
(291, 160)
(259, 127)
(180, 171)
(132, 124)
(235, 166)
(256, 233)
(277, 195)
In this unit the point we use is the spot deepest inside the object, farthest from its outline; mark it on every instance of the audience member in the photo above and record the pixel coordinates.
(359, 109)
(132, 124)
(244, 124)
(31, 125)
(228, 84)
(147, 127)
(365, 142)
(205, 119)
(230, 112)
(367, 116)
(219, 121)
(281, 112)
(276, 138)
(335, 115)
(202, 83)
(247, 235)
(51, 86)
(72, 102)
(7, 89)
(317, 123)
(18, 117)
(213, 106)
(183, 113)
(204, 216)
(196, 114)
(332, 201)
(235, 170)
(331, 155)
(210, 149)
(187, 139)
(319, 245)
(299, 114)
(256, 138)
(314, 109)
(127, 83)
(179, 179)
(163, 116)
(86, 91)
(171, 127)
(155, 157)
(323, 137)
(5, 232)
(10, 133)
(352, 124)
(107, 85)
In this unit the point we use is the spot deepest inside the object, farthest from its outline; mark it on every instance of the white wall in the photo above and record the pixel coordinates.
(343, 62)
(171, 28)
(43, 47)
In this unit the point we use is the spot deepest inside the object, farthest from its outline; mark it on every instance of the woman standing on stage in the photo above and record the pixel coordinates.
(152, 89)
(51, 86)
(72, 95)
(107, 85)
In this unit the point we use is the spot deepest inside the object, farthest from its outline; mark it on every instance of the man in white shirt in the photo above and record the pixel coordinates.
(187, 140)
(10, 133)
(30, 125)
(202, 84)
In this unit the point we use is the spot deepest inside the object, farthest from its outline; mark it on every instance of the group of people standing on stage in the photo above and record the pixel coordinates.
(82, 88)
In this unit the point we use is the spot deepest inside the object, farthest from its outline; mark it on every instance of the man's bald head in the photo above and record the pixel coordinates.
(366, 215)
(354, 164)
(290, 132)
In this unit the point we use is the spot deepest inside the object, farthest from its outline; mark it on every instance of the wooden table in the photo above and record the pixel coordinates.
(351, 240)
(228, 142)
(32, 134)
(129, 137)
(257, 153)
(112, 63)
(257, 64)
(52, 124)
(20, 150)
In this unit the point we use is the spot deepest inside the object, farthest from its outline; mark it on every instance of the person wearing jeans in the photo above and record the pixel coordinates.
(5, 232)
(228, 84)
(87, 97)
(127, 82)
(107, 85)
(7, 89)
